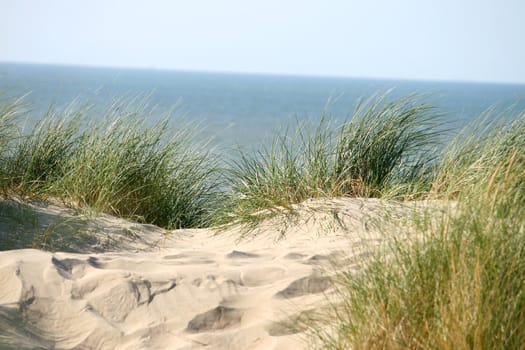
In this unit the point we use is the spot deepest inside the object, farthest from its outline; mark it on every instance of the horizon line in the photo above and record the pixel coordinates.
(253, 73)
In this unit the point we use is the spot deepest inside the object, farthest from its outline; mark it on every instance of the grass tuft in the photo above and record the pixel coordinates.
(36, 161)
(460, 284)
(116, 164)
(385, 148)
(10, 111)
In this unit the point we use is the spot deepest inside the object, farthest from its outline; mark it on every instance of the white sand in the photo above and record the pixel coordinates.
(137, 287)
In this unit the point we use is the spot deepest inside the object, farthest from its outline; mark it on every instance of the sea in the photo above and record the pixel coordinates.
(240, 109)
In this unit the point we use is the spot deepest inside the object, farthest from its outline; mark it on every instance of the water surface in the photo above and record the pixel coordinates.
(238, 108)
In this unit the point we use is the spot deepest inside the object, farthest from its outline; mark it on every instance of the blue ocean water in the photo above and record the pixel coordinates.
(239, 108)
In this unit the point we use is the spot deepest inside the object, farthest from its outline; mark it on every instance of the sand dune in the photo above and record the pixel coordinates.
(132, 286)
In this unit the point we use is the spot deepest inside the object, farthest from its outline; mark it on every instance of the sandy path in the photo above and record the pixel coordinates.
(190, 289)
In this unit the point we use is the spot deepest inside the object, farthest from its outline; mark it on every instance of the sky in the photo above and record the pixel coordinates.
(451, 40)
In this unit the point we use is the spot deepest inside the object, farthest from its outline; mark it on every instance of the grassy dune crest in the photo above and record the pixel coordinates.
(462, 286)
(385, 149)
(118, 165)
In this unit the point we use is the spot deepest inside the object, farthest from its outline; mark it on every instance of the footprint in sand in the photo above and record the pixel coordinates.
(236, 254)
(306, 285)
(220, 317)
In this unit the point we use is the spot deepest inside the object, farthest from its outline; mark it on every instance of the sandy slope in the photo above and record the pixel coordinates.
(131, 286)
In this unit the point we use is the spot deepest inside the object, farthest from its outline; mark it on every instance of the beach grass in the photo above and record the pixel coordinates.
(10, 111)
(386, 148)
(115, 163)
(35, 162)
(156, 174)
(459, 284)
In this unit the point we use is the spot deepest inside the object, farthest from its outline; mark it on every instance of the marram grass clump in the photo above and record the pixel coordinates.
(35, 162)
(10, 111)
(460, 284)
(156, 174)
(115, 163)
(386, 148)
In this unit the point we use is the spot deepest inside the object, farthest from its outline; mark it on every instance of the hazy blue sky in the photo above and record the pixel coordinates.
(474, 40)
